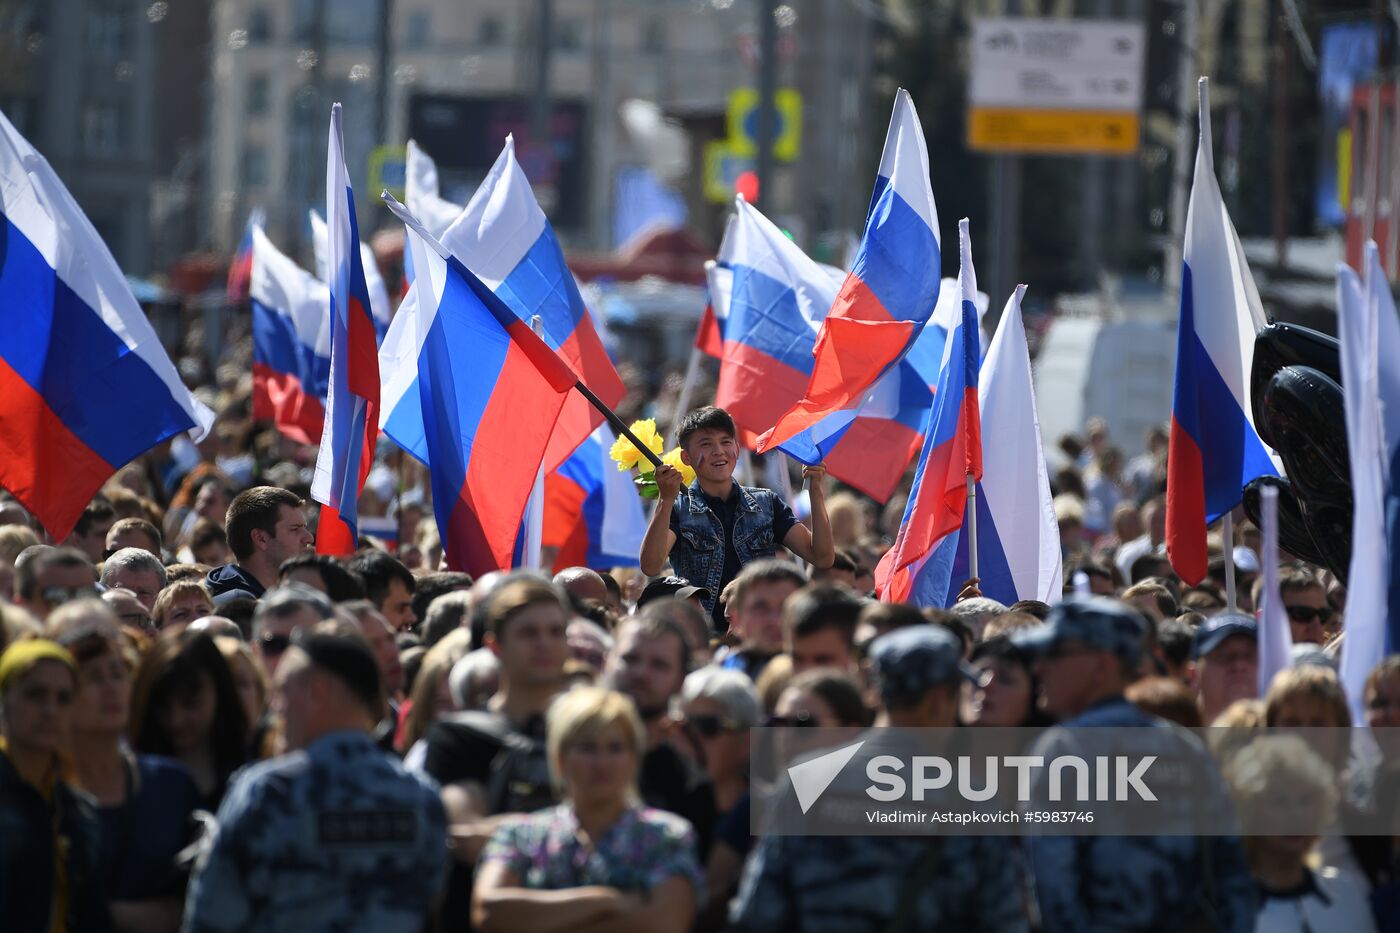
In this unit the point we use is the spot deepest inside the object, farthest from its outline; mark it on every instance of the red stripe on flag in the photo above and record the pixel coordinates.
(564, 524)
(362, 376)
(506, 452)
(755, 389)
(873, 456)
(45, 465)
(850, 356)
(333, 536)
(707, 336)
(584, 352)
(1186, 507)
(279, 398)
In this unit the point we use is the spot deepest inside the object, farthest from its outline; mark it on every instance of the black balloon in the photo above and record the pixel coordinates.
(1280, 345)
(1294, 535)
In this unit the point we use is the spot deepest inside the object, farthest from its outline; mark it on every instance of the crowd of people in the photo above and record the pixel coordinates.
(206, 725)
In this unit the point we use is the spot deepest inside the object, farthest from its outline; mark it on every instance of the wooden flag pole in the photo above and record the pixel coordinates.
(403, 213)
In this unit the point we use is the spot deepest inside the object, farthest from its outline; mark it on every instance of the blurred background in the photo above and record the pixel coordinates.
(1065, 130)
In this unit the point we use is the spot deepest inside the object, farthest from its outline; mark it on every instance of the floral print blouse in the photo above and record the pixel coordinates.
(644, 848)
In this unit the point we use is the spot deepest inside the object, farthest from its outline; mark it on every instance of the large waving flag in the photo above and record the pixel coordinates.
(592, 513)
(1369, 331)
(352, 402)
(1214, 448)
(421, 194)
(85, 385)
(291, 343)
(776, 302)
(1018, 539)
(486, 421)
(240, 270)
(379, 305)
(503, 237)
(719, 282)
(919, 566)
(891, 290)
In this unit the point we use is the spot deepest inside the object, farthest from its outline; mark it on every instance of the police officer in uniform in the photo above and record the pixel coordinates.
(335, 835)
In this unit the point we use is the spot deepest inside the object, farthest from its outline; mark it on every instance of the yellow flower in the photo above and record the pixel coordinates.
(626, 455)
(674, 459)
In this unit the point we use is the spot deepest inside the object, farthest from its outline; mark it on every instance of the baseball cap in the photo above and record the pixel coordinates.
(910, 660)
(1104, 623)
(679, 587)
(1213, 631)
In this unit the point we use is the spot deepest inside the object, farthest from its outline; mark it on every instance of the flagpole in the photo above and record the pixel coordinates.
(1227, 534)
(618, 425)
(971, 525)
(692, 375)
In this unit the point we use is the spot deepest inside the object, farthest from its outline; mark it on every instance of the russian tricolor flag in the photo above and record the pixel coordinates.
(592, 513)
(240, 270)
(352, 402)
(1018, 539)
(918, 567)
(1369, 331)
(291, 343)
(1214, 449)
(719, 282)
(503, 237)
(777, 300)
(85, 386)
(891, 290)
(380, 308)
(488, 391)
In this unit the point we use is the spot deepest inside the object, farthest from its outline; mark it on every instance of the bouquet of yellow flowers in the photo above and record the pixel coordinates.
(627, 457)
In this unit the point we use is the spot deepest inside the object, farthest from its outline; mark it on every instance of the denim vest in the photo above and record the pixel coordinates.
(698, 554)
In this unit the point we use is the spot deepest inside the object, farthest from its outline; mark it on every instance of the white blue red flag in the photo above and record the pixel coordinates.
(777, 299)
(291, 343)
(1214, 449)
(506, 241)
(1018, 539)
(240, 270)
(379, 305)
(352, 402)
(487, 391)
(1369, 331)
(890, 292)
(593, 516)
(85, 386)
(919, 566)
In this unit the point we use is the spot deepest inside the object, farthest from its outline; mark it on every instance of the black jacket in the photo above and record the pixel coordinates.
(27, 824)
(232, 577)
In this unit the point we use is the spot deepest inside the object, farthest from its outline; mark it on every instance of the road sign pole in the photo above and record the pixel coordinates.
(767, 94)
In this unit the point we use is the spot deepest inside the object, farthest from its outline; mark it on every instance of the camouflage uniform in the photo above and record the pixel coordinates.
(848, 884)
(1139, 883)
(336, 837)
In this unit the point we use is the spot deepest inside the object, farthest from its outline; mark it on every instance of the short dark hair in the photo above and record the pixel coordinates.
(140, 525)
(1166, 602)
(289, 599)
(28, 568)
(655, 621)
(206, 533)
(341, 585)
(613, 587)
(702, 419)
(838, 690)
(378, 569)
(517, 594)
(768, 570)
(820, 607)
(1031, 607)
(1146, 566)
(252, 510)
(844, 562)
(1175, 637)
(444, 615)
(343, 652)
(98, 510)
(430, 586)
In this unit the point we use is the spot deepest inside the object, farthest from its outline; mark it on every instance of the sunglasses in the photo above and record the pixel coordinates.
(712, 726)
(274, 644)
(1308, 613)
(802, 720)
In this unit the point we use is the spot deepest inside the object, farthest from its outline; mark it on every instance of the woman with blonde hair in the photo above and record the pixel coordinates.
(179, 604)
(600, 855)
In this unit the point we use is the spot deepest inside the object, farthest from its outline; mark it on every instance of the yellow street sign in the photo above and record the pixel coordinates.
(723, 166)
(1052, 132)
(742, 117)
(388, 167)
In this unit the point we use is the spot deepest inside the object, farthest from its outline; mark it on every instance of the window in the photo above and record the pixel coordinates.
(103, 129)
(259, 25)
(254, 166)
(304, 21)
(258, 94)
(351, 22)
(419, 28)
(490, 31)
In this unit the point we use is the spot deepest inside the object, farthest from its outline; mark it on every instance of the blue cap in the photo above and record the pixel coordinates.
(910, 660)
(1213, 631)
(1101, 622)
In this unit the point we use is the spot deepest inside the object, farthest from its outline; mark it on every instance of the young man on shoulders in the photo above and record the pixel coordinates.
(712, 529)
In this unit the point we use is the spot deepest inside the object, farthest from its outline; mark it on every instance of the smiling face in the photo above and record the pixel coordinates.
(712, 453)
